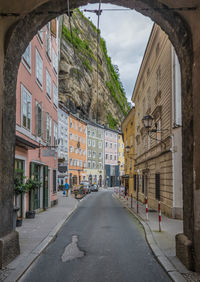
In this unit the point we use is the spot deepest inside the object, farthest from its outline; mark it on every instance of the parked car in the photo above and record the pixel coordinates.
(94, 188)
(86, 188)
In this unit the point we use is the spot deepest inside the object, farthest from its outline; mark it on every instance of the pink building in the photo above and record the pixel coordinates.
(111, 150)
(37, 118)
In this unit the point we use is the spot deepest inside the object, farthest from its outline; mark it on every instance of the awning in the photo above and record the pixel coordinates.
(25, 144)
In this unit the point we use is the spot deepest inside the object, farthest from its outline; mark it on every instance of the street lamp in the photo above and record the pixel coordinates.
(147, 121)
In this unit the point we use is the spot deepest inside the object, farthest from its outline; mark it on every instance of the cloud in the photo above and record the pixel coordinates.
(126, 34)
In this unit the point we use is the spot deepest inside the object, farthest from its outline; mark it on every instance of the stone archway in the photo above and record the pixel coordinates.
(16, 39)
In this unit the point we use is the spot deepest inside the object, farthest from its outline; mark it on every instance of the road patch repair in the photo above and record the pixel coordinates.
(72, 251)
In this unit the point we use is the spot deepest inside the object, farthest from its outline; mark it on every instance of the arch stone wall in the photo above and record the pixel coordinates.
(180, 27)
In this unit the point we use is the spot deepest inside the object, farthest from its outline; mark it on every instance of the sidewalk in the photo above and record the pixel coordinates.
(162, 243)
(35, 234)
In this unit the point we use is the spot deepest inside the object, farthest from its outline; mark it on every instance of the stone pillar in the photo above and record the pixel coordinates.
(9, 242)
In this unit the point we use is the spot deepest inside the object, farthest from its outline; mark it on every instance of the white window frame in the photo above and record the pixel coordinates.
(48, 84)
(55, 61)
(28, 106)
(26, 57)
(38, 68)
(55, 95)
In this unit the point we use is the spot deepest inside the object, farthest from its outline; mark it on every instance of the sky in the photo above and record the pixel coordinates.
(126, 34)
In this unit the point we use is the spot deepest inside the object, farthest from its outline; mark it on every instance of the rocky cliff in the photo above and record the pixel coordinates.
(89, 84)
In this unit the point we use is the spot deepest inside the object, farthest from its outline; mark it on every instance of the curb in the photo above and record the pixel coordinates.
(173, 273)
(23, 267)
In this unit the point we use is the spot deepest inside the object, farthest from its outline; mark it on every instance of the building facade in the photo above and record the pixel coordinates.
(37, 118)
(63, 145)
(157, 93)
(128, 130)
(120, 147)
(111, 158)
(95, 153)
(77, 150)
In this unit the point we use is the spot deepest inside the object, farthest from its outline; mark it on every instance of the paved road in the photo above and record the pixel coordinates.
(101, 242)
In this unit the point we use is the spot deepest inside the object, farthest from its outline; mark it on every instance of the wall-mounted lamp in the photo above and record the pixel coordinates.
(148, 121)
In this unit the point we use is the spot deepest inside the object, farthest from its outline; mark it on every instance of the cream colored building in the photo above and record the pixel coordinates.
(157, 93)
(121, 155)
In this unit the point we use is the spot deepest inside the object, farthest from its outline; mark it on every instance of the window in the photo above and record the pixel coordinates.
(55, 134)
(158, 78)
(84, 152)
(110, 145)
(84, 164)
(135, 182)
(110, 157)
(84, 129)
(39, 68)
(71, 162)
(48, 84)
(89, 153)
(71, 149)
(27, 57)
(79, 139)
(55, 95)
(40, 35)
(71, 136)
(77, 162)
(93, 143)
(88, 132)
(106, 144)
(94, 155)
(115, 146)
(48, 127)
(115, 157)
(157, 182)
(89, 142)
(48, 41)
(26, 108)
(89, 164)
(71, 124)
(100, 155)
(75, 125)
(80, 128)
(106, 156)
(158, 132)
(83, 140)
(55, 62)
(100, 165)
(76, 137)
(80, 163)
(93, 164)
(149, 99)
(38, 125)
(100, 145)
(54, 180)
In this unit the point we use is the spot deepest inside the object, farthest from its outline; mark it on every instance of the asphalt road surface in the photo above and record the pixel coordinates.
(101, 242)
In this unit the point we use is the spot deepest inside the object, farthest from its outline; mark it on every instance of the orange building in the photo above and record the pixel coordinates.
(77, 150)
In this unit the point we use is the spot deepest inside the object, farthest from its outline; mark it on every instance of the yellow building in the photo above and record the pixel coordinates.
(128, 130)
(121, 155)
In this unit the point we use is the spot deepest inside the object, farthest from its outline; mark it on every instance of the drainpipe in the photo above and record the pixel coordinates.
(173, 175)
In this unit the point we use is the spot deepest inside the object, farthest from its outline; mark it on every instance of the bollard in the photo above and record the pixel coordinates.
(131, 201)
(159, 216)
(146, 203)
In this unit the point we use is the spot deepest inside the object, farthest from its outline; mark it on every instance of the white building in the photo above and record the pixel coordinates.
(63, 125)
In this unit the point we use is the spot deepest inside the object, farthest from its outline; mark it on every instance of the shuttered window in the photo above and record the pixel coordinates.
(39, 122)
(54, 181)
(135, 187)
(157, 182)
(143, 183)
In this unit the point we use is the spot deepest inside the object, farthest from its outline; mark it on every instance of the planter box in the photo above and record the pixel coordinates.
(30, 214)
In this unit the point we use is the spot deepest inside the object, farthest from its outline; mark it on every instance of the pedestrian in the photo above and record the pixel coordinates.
(67, 188)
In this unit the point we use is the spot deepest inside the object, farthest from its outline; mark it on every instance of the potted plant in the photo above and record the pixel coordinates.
(19, 189)
(32, 184)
